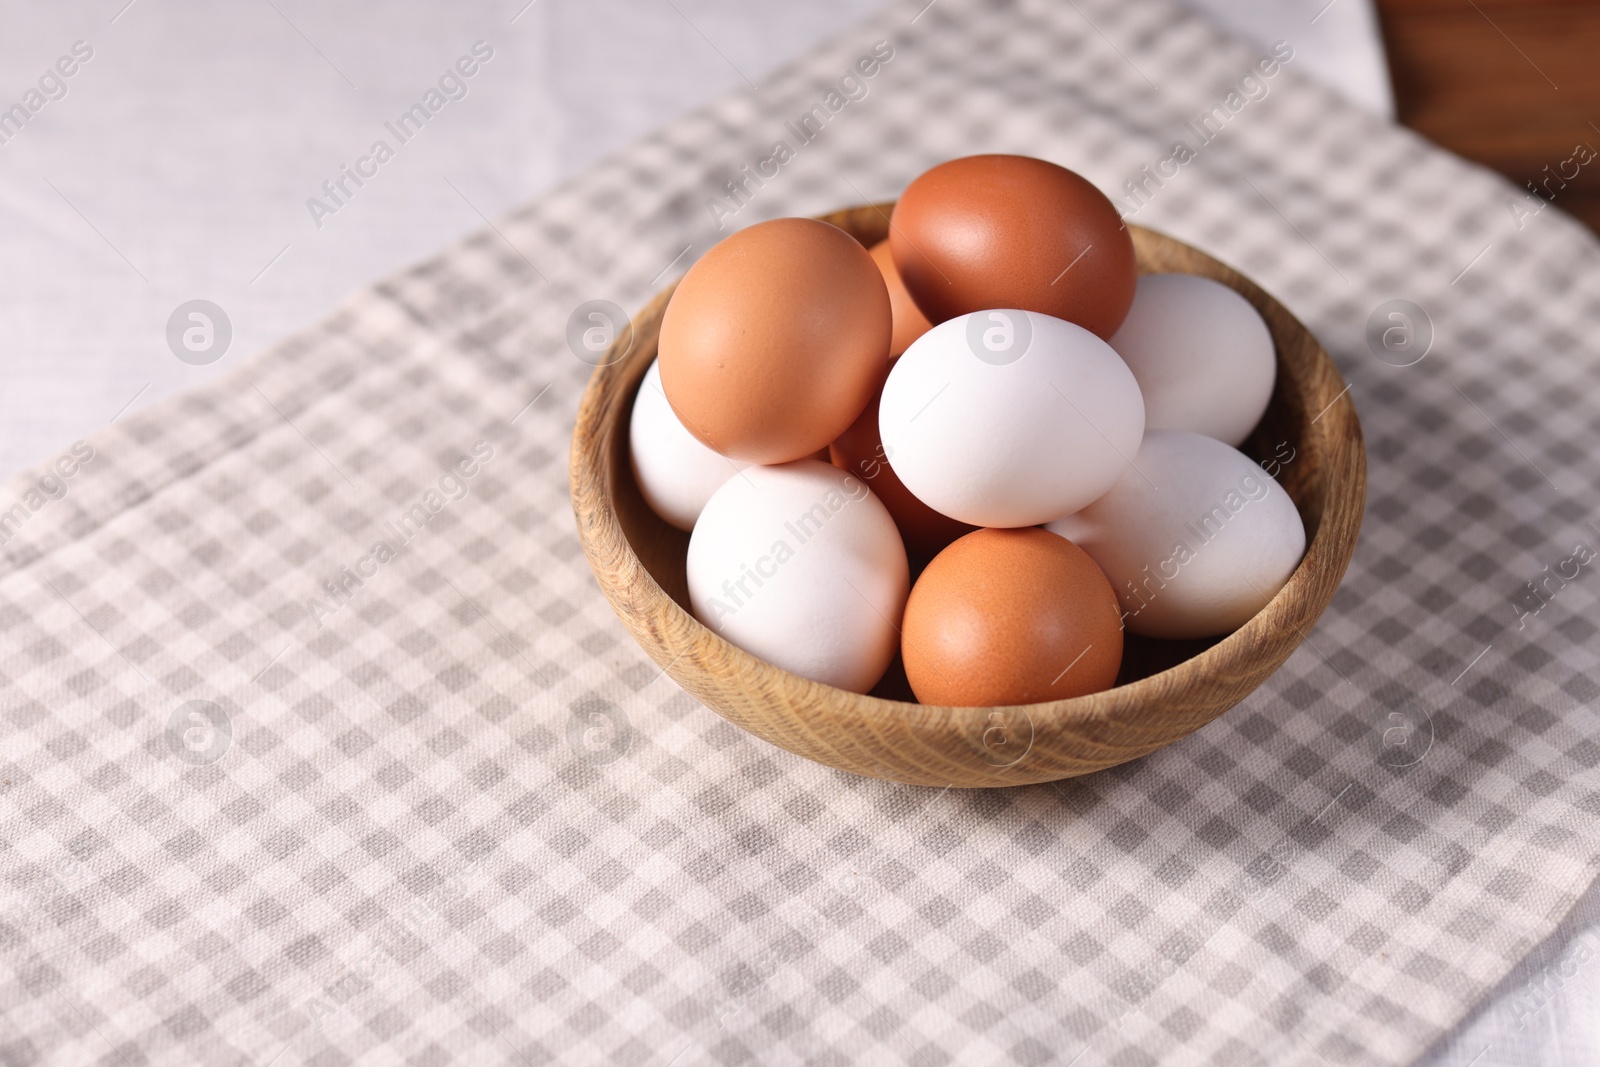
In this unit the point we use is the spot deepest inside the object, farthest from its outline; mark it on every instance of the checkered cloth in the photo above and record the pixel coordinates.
(272, 794)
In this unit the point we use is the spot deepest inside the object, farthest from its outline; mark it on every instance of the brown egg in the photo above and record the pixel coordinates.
(1011, 617)
(859, 450)
(909, 321)
(1013, 232)
(775, 340)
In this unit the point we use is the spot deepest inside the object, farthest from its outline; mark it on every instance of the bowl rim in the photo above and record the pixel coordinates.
(1246, 656)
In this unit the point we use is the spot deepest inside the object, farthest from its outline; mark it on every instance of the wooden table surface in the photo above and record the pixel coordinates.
(1512, 84)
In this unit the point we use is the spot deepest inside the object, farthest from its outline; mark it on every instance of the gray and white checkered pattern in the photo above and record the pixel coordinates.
(463, 818)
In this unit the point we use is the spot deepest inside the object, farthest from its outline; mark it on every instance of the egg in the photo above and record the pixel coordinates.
(775, 339)
(999, 231)
(1011, 617)
(675, 472)
(801, 566)
(1009, 418)
(1196, 540)
(909, 323)
(1202, 355)
(860, 451)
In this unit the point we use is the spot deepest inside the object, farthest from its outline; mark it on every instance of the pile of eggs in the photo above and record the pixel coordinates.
(985, 445)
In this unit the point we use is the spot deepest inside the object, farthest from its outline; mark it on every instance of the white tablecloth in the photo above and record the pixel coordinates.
(180, 160)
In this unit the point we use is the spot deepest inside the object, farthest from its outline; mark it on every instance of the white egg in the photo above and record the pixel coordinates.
(1202, 355)
(802, 566)
(1009, 418)
(676, 473)
(1196, 539)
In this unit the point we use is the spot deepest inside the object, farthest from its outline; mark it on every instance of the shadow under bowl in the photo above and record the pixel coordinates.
(1167, 690)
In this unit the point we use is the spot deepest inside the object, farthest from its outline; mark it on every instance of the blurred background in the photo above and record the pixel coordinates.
(179, 161)
(1511, 84)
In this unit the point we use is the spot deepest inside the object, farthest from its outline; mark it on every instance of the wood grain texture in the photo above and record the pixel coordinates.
(1511, 84)
(1171, 689)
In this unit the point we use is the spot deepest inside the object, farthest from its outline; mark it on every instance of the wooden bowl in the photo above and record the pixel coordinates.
(1168, 688)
